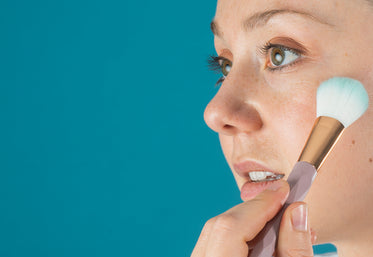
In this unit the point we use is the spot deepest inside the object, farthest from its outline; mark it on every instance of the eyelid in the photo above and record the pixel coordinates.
(214, 63)
(290, 44)
(264, 51)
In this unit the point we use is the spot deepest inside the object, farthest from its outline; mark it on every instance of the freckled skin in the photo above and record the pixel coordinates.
(267, 116)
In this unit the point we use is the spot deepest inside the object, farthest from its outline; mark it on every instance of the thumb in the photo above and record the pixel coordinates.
(295, 239)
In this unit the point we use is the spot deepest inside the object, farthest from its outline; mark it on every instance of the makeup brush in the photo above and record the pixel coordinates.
(340, 102)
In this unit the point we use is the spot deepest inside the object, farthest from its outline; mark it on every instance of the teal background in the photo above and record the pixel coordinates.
(103, 147)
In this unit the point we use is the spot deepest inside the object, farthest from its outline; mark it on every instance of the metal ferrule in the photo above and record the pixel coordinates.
(325, 133)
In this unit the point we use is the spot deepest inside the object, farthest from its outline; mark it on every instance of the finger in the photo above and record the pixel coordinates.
(240, 224)
(313, 236)
(200, 248)
(295, 237)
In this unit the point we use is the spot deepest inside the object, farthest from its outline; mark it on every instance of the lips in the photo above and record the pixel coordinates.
(251, 189)
(243, 168)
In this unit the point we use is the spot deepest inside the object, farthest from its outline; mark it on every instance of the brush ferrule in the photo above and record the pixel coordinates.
(325, 133)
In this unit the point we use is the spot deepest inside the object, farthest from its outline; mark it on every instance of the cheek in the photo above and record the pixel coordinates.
(342, 188)
(290, 119)
(226, 143)
(296, 125)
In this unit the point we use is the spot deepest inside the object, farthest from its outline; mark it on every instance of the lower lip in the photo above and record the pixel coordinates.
(251, 189)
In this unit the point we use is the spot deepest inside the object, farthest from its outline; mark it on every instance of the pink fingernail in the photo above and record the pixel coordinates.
(299, 218)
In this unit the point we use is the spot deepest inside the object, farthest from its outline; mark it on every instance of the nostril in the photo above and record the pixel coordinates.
(228, 129)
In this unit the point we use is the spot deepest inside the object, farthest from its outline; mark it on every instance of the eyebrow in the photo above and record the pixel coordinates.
(261, 18)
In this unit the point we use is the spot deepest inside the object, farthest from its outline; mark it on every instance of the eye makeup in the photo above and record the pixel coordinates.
(279, 53)
(276, 55)
(278, 49)
(219, 64)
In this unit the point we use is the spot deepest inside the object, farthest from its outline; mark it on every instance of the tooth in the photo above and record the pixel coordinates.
(262, 175)
(269, 173)
(258, 175)
(280, 176)
(252, 176)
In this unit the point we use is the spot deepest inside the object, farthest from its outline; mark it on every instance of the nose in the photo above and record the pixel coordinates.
(232, 111)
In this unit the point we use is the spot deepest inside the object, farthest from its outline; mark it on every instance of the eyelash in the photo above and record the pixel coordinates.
(268, 46)
(214, 61)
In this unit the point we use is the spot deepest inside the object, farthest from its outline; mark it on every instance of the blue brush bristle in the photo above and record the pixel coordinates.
(344, 99)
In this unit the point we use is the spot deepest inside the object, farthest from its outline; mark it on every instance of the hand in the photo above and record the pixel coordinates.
(232, 233)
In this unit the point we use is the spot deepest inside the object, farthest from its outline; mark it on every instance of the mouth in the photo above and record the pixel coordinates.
(256, 172)
(258, 177)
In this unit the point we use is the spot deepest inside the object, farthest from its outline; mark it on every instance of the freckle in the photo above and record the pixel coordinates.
(370, 160)
(346, 54)
(353, 142)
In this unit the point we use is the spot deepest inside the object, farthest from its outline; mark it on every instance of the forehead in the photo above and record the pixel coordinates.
(231, 12)
(242, 6)
(232, 16)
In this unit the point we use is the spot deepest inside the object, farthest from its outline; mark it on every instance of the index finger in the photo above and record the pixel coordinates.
(240, 224)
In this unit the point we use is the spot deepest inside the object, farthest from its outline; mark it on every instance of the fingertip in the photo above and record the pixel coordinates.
(282, 189)
(313, 236)
(295, 233)
(295, 219)
(278, 185)
(299, 217)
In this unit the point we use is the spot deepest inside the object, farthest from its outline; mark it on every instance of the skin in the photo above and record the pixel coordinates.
(266, 116)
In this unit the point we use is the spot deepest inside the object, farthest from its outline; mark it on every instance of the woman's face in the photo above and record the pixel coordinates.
(278, 52)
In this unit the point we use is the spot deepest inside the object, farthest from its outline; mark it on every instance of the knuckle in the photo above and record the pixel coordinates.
(208, 225)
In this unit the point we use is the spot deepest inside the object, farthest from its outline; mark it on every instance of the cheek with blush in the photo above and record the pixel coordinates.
(291, 122)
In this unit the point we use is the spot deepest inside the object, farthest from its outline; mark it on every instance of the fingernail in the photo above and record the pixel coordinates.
(274, 186)
(299, 218)
(313, 236)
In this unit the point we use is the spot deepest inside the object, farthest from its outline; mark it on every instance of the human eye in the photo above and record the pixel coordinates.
(219, 64)
(279, 56)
